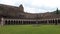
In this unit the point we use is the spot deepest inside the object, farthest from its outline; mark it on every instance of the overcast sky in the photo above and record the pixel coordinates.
(34, 6)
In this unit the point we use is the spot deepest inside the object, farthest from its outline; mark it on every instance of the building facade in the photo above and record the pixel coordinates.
(16, 15)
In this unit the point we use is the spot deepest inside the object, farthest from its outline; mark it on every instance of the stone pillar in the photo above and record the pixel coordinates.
(30, 22)
(54, 21)
(2, 21)
(22, 21)
(36, 22)
(47, 21)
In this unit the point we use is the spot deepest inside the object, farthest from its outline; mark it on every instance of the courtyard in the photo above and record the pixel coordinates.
(30, 29)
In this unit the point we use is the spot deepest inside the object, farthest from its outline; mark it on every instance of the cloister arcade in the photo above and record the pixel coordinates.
(29, 21)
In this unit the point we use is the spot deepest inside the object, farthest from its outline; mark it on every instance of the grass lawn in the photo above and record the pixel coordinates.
(30, 29)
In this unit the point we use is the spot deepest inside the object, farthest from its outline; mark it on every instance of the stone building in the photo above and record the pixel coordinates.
(16, 15)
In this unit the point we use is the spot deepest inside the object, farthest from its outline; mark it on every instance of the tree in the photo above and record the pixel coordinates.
(57, 11)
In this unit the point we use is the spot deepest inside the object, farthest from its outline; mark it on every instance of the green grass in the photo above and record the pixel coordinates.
(30, 29)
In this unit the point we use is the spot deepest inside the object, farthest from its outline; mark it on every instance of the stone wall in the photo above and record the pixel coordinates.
(8, 11)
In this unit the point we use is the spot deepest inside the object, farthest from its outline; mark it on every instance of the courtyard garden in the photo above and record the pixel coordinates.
(30, 29)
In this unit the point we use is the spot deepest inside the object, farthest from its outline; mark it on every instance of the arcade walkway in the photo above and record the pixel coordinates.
(29, 21)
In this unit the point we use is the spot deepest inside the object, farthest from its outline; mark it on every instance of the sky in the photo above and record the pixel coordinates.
(34, 6)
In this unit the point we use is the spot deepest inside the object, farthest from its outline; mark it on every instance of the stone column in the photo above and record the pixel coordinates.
(47, 21)
(22, 21)
(36, 22)
(54, 21)
(2, 21)
(13, 22)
